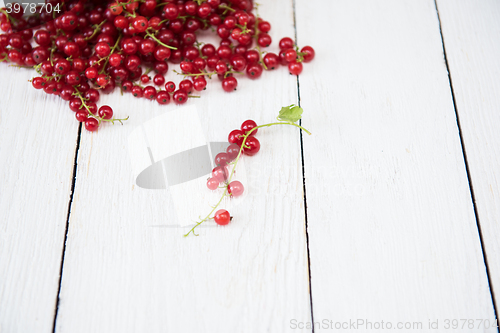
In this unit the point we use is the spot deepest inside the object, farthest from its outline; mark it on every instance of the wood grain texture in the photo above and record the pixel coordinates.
(128, 270)
(471, 33)
(37, 148)
(391, 224)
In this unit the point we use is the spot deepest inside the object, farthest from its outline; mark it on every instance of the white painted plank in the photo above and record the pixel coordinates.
(471, 33)
(123, 273)
(37, 148)
(391, 224)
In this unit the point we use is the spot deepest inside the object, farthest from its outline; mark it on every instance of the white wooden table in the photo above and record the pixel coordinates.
(389, 212)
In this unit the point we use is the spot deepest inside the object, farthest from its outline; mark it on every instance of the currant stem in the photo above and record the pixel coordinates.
(235, 162)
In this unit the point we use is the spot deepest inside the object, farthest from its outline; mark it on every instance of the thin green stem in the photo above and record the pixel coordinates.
(159, 41)
(109, 55)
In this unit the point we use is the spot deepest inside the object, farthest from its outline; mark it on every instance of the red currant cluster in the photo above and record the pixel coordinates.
(93, 46)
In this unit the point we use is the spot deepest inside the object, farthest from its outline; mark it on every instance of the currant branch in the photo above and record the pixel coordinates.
(235, 162)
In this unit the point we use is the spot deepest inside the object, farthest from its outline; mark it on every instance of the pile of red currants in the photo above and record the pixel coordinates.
(89, 47)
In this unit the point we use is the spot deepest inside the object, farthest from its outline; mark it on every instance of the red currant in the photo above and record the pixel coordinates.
(163, 97)
(170, 87)
(251, 146)
(248, 125)
(308, 53)
(295, 68)
(286, 43)
(229, 84)
(220, 173)
(105, 112)
(180, 97)
(232, 151)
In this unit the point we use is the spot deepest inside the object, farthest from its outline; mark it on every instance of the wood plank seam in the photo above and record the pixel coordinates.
(467, 169)
(73, 183)
(304, 180)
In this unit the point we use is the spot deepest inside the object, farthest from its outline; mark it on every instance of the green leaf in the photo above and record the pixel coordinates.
(290, 113)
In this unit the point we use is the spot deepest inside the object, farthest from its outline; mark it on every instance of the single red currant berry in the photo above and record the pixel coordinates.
(115, 60)
(127, 86)
(264, 39)
(91, 73)
(115, 8)
(91, 124)
(102, 49)
(161, 53)
(208, 50)
(92, 95)
(186, 85)
(186, 67)
(199, 63)
(229, 84)
(235, 188)
(180, 97)
(290, 55)
(42, 38)
(295, 68)
(105, 112)
(140, 24)
(221, 67)
(286, 43)
(81, 115)
(264, 26)
(224, 52)
(251, 146)
(199, 84)
(159, 80)
(212, 184)
(75, 104)
(92, 107)
(144, 78)
(248, 125)
(236, 137)
(171, 11)
(163, 97)
(221, 159)
(222, 217)
(220, 173)
(271, 61)
(252, 56)
(170, 87)
(62, 66)
(308, 53)
(102, 80)
(238, 62)
(232, 151)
